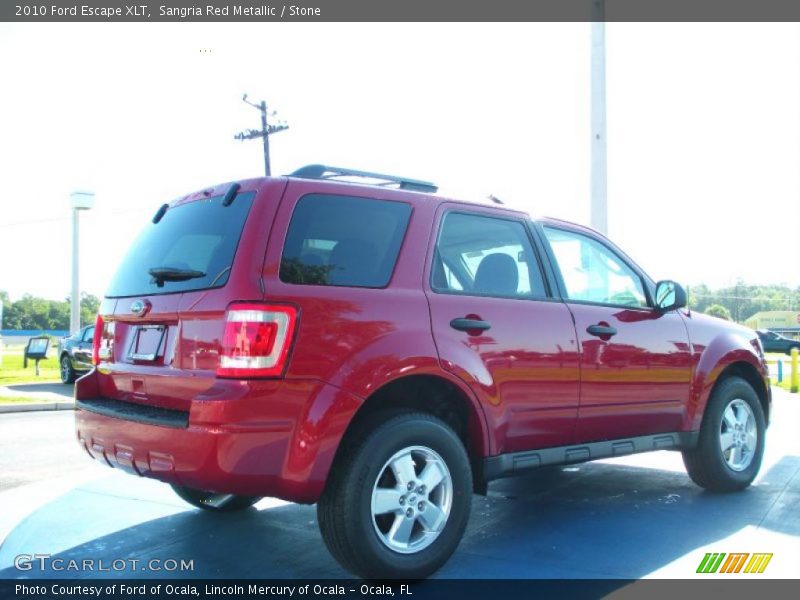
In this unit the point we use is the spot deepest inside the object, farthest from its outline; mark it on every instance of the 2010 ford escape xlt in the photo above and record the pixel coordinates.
(356, 340)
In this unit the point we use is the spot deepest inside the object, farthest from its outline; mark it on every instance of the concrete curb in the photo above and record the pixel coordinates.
(36, 406)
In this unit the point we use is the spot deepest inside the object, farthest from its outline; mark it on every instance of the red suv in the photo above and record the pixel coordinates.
(355, 340)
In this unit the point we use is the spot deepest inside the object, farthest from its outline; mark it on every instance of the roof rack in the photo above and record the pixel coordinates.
(326, 172)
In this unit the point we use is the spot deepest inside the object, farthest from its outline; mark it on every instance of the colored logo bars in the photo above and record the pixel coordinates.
(718, 563)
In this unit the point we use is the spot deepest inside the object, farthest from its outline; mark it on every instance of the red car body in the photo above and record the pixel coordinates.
(535, 381)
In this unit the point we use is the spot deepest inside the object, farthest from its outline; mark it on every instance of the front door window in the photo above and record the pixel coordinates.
(592, 272)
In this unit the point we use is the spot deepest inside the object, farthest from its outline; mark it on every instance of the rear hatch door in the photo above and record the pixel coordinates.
(165, 307)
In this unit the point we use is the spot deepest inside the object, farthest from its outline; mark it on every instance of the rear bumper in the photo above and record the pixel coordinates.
(256, 438)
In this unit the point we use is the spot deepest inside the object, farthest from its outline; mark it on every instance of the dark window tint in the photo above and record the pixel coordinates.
(342, 240)
(198, 237)
(88, 335)
(485, 256)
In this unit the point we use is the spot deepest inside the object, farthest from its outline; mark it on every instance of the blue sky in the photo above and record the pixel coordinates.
(703, 129)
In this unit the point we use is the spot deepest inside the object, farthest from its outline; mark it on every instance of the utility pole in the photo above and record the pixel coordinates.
(599, 200)
(266, 131)
(79, 201)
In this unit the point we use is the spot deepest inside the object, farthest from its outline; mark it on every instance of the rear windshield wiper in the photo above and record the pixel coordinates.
(162, 274)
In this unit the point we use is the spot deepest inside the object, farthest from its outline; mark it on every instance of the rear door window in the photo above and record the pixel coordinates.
(485, 256)
(199, 238)
(343, 241)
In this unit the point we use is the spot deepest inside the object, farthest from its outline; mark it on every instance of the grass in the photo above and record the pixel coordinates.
(11, 371)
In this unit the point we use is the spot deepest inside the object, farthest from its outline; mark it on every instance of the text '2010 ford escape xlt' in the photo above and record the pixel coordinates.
(385, 352)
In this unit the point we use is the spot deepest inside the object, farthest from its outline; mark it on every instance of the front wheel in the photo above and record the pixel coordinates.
(397, 504)
(214, 502)
(731, 444)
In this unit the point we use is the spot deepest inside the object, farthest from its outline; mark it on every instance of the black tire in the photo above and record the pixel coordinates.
(66, 371)
(214, 502)
(706, 463)
(346, 521)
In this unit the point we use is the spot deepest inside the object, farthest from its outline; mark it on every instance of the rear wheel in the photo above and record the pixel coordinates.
(731, 444)
(66, 370)
(214, 502)
(397, 503)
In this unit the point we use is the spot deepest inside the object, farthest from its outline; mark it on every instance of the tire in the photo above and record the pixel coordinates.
(421, 526)
(214, 502)
(714, 464)
(66, 371)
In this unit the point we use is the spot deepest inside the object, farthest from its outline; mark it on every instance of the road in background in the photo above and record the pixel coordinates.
(37, 446)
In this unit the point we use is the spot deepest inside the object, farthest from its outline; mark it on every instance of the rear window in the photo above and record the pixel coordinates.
(199, 237)
(343, 241)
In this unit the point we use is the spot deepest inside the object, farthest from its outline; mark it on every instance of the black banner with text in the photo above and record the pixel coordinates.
(399, 10)
(436, 589)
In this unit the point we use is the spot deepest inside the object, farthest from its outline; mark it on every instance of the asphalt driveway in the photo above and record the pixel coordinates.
(630, 517)
(55, 389)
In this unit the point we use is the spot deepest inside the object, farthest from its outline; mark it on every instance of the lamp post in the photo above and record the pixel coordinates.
(78, 201)
(599, 199)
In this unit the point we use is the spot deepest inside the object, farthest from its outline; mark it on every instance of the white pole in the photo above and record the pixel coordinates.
(75, 297)
(599, 201)
(78, 201)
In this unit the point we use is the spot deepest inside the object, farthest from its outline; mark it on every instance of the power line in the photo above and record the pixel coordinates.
(33, 222)
(265, 131)
(732, 297)
(67, 217)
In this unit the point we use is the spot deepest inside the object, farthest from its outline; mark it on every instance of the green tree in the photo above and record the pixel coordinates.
(90, 305)
(6, 302)
(30, 312)
(699, 297)
(717, 310)
(743, 300)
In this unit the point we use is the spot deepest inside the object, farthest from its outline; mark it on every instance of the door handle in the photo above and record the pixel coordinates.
(601, 330)
(470, 324)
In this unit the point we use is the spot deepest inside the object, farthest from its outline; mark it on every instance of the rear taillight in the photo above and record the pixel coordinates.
(98, 336)
(257, 340)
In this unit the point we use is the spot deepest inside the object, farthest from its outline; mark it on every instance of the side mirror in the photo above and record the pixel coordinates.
(669, 296)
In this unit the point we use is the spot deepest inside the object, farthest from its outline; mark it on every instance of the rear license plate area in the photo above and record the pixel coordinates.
(147, 342)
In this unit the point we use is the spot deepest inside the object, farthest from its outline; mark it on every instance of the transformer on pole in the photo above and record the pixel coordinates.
(265, 131)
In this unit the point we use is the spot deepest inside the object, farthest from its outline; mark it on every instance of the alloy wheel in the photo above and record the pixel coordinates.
(411, 499)
(738, 435)
(65, 369)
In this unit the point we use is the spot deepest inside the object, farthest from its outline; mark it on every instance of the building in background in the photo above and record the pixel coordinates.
(785, 322)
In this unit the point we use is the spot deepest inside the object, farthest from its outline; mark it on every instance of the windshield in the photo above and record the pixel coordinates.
(190, 248)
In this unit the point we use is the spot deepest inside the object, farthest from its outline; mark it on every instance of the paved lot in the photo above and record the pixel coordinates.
(53, 390)
(56, 395)
(38, 447)
(623, 518)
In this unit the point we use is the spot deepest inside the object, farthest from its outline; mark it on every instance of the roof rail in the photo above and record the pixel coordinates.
(326, 172)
